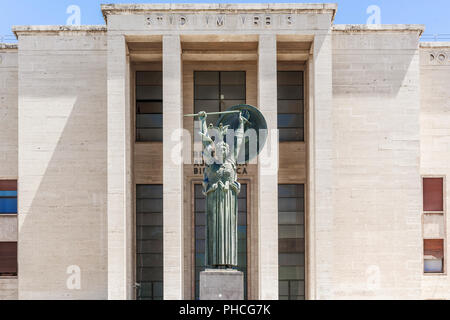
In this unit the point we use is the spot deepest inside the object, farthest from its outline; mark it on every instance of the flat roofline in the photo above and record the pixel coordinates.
(117, 9)
(8, 46)
(420, 28)
(436, 44)
(24, 30)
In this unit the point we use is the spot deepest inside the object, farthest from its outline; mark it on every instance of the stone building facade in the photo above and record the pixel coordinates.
(353, 204)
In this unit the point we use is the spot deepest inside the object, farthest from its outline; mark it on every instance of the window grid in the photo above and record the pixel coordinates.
(8, 197)
(216, 91)
(149, 106)
(149, 242)
(291, 242)
(433, 188)
(290, 88)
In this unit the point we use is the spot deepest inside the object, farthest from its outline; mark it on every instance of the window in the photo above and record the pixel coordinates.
(8, 258)
(433, 250)
(200, 222)
(216, 91)
(149, 242)
(291, 241)
(433, 228)
(433, 195)
(149, 121)
(290, 105)
(8, 197)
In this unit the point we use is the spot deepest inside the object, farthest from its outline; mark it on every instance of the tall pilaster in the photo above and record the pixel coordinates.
(268, 170)
(119, 171)
(172, 168)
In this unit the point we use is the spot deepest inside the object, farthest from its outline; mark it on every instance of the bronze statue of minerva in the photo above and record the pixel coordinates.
(220, 185)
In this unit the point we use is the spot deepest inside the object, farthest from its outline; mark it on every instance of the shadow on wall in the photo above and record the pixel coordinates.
(376, 176)
(63, 176)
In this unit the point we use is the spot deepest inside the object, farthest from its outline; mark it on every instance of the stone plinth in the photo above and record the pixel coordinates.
(221, 284)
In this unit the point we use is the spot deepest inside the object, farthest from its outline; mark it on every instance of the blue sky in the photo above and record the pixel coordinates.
(433, 14)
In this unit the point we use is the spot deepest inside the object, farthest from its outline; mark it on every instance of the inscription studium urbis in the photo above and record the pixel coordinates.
(220, 20)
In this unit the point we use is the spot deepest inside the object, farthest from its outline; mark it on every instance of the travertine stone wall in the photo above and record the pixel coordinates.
(8, 111)
(435, 143)
(376, 228)
(8, 148)
(62, 166)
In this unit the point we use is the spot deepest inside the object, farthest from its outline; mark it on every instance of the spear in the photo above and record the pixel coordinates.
(211, 113)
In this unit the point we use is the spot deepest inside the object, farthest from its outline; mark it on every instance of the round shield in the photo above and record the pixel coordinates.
(255, 130)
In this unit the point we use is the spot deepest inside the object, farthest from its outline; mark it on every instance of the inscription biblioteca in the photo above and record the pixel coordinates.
(199, 168)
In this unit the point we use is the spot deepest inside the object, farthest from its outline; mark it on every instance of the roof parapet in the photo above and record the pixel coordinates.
(111, 9)
(8, 46)
(26, 30)
(420, 28)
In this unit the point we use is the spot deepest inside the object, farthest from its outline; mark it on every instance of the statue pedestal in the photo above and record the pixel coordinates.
(221, 284)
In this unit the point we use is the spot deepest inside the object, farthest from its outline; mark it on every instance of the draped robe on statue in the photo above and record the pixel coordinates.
(221, 189)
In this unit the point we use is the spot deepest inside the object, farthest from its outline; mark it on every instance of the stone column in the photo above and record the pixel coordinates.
(119, 171)
(172, 168)
(268, 170)
(320, 173)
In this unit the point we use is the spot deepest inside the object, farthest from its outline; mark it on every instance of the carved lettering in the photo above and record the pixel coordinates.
(220, 21)
(290, 20)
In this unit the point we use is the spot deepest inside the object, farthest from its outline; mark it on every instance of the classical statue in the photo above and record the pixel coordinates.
(220, 185)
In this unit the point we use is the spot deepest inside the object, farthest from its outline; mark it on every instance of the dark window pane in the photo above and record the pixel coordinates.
(291, 134)
(153, 134)
(149, 78)
(148, 92)
(149, 246)
(291, 243)
(290, 204)
(290, 231)
(290, 190)
(149, 242)
(149, 107)
(291, 259)
(290, 78)
(434, 248)
(206, 92)
(290, 92)
(290, 121)
(149, 205)
(8, 185)
(144, 191)
(288, 273)
(8, 205)
(149, 274)
(149, 121)
(297, 288)
(433, 198)
(149, 260)
(206, 77)
(8, 258)
(146, 232)
(226, 104)
(291, 217)
(154, 219)
(207, 106)
(230, 92)
(290, 106)
(232, 78)
(433, 266)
